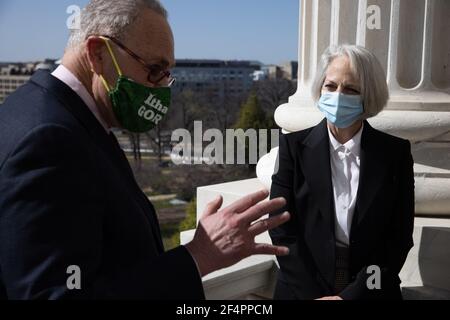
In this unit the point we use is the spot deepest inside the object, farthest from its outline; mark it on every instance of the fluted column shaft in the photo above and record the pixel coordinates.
(410, 38)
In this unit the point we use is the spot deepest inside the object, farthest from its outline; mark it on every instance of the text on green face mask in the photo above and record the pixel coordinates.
(149, 114)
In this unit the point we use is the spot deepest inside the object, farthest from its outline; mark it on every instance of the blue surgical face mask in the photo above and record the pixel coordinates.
(342, 110)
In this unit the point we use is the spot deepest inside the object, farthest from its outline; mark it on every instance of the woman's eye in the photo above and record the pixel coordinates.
(330, 86)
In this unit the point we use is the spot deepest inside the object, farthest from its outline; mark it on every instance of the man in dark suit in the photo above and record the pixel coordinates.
(68, 198)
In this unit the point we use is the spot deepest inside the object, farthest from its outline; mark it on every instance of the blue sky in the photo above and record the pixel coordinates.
(265, 30)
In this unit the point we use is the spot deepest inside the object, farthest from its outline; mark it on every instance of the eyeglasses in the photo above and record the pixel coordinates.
(156, 72)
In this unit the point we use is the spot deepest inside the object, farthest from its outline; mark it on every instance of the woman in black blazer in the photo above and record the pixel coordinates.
(349, 189)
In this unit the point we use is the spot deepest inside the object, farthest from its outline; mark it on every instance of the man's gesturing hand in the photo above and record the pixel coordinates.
(224, 237)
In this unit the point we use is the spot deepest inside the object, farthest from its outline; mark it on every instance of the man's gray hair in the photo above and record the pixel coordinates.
(111, 18)
(366, 68)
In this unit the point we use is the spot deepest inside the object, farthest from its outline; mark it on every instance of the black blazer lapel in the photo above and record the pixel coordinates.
(373, 169)
(142, 198)
(314, 156)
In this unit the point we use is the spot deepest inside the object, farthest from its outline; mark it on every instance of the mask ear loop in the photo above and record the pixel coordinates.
(116, 65)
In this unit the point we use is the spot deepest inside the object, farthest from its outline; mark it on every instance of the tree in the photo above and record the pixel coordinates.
(189, 223)
(252, 116)
(187, 107)
(274, 92)
(155, 137)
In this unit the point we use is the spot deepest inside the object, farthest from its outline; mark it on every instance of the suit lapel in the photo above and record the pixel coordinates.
(142, 198)
(315, 161)
(314, 155)
(373, 169)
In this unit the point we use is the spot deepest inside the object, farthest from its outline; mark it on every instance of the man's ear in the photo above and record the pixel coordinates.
(95, 49)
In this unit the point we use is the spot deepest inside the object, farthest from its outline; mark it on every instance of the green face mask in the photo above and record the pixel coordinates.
(138, 108)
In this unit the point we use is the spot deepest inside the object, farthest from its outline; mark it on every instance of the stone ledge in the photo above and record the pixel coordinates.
(250, 276)
(416, 126)
(253, 275)
(428, 262)
(425, 293)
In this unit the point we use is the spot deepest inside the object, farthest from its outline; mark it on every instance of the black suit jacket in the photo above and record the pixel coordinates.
(68, 197)
(382, 226)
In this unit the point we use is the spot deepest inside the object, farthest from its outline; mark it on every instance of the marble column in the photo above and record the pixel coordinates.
(410, 38)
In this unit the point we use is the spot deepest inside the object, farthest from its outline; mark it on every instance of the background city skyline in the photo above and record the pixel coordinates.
(203, 29)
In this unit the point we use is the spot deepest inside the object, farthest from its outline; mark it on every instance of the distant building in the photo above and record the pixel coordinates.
(273, 72)
(287, 70)
(214, 78)
(217, 78)
(290, 70)
(259, 75)
(10, 83)
(14, 75)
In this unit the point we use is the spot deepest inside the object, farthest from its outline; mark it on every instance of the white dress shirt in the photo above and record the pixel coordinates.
(66, 76)
(345, 166)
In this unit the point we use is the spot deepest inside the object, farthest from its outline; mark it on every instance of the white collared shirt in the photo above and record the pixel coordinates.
(345, 166)
(66, 76)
